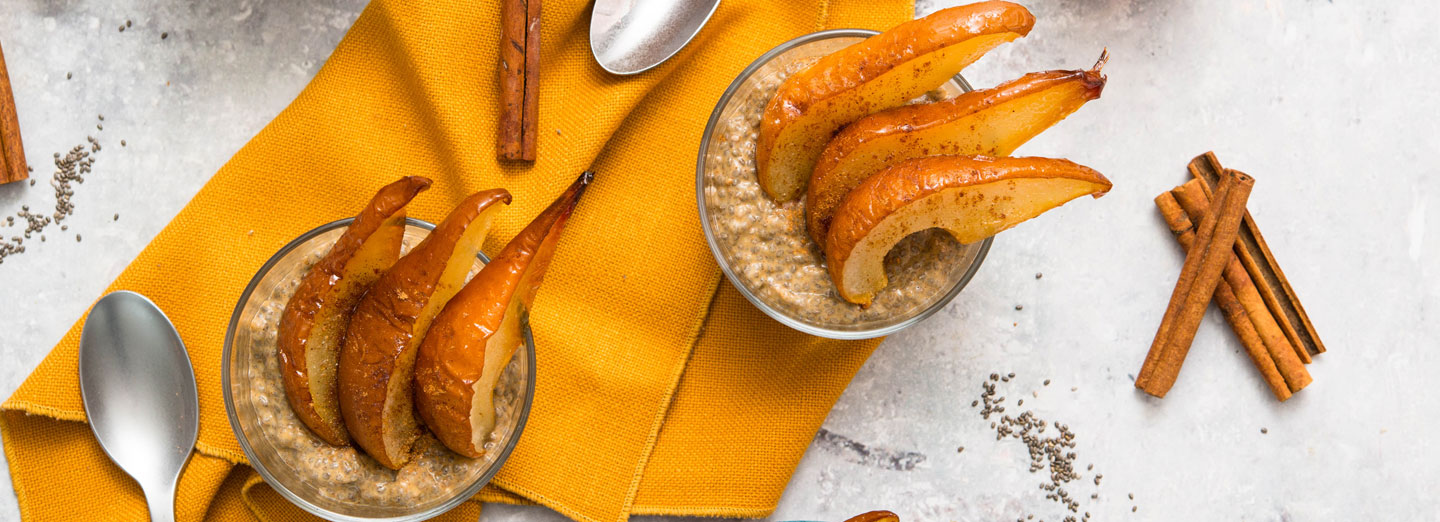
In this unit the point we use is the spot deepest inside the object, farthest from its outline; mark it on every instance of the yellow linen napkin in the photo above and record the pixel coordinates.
(660, 390)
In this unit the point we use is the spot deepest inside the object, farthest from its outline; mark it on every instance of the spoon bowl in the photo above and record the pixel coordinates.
(632, 36)
(139, 393)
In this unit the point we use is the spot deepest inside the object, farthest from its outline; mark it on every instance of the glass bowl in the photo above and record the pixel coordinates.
(762, 246)
(348, 485)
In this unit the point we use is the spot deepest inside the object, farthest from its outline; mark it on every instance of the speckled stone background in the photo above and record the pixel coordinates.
(1331, 105)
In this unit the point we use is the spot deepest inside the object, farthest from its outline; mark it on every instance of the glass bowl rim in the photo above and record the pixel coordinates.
(259, 467)
(774, 313)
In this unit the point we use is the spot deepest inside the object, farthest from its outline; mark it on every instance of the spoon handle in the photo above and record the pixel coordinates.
(162, 502)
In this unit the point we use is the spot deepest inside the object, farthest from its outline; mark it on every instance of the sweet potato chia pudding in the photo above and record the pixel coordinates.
(766, 244)
(345, 474)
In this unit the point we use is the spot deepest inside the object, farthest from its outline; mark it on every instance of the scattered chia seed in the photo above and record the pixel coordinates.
(1047, 382)
(1264, 431)
(32, 182)
(1019, 307)
(961, 450)
(68, 76)
(164, 35)
(122, 143)
(70, 170)
(122, 28)
(1039, 275)
(1132, 496)
(102, 117)
(77, 238)
(117, 217)
(1052, 452)
(127, 23)
(99, 127)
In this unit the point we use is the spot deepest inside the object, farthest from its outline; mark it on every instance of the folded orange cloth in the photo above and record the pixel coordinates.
(660, 390)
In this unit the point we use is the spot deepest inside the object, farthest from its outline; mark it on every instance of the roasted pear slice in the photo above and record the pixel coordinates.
(972, 197)
(477, 333)
(378, 362)
(875, 516)
(883, 71)
(312, 327)
(989, 122)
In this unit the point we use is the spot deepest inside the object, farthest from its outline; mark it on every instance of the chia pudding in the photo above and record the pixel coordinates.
(765, 243)
(345, 476)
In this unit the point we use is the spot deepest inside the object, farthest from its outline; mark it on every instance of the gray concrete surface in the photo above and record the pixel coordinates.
(1330, 105)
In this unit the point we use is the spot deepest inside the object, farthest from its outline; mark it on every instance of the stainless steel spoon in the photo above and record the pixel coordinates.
(631, 36)
(139, 393)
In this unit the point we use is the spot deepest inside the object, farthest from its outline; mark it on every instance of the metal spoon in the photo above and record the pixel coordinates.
(139, 393)
(631, 36)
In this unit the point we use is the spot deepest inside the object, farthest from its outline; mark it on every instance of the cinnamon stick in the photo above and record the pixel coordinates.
(1235, 313)
(519, 79)
(531, 124)
(1264, 271)
(1214, 241)
(1191, 199)
(12, 151)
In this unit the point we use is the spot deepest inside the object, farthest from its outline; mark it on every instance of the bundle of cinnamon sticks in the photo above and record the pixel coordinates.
(12, 152)
(1228, 261)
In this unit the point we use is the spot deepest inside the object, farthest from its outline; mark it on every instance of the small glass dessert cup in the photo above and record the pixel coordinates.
(341, 483)
(763, 247)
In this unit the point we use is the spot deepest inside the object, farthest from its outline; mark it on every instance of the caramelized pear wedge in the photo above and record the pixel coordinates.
(883, 71)
(477, 333)
(377, 364)
(875, 516)
(989, 122)
(972, 197)
(312, 327)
